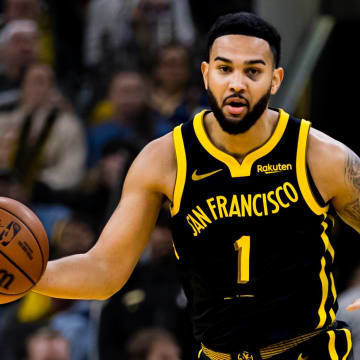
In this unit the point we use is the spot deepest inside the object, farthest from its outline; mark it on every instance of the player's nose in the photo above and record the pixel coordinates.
(237, 84)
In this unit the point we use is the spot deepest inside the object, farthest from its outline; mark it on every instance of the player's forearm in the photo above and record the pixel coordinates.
(64, 279)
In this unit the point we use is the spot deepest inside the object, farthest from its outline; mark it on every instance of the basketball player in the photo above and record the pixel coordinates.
(250, 189)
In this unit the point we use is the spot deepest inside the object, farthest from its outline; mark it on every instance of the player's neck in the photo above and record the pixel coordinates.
(241, 144)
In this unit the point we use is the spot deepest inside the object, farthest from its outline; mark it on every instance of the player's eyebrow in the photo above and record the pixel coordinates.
(256, 61)
(247, 62)
(220, 58)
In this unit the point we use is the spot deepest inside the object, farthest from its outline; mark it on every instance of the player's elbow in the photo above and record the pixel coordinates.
(109, 286)
(109, 278)
(106, 294)
(103, 296)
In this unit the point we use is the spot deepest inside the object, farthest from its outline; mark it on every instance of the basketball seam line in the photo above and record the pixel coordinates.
(18, 267)
(36, 239)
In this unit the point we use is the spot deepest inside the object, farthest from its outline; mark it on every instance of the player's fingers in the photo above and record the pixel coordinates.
(354, 306)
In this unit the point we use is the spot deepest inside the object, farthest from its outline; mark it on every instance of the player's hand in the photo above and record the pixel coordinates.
(354, 306)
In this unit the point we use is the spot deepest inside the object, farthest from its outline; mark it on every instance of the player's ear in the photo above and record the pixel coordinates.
(278, 75)
(204, 71)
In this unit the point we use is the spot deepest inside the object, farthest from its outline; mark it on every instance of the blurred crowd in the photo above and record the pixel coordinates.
(84, 86)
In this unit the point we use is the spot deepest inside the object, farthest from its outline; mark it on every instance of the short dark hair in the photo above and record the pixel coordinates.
(244, 23)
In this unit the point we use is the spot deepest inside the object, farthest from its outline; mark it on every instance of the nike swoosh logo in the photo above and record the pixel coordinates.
(301, 357)
(196, 177)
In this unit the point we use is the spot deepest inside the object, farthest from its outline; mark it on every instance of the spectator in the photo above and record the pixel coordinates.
(47, 344)
(128, 29)
(18, 50)
(129, 32)
(158, 22)
(108, 20)
(173, 97)
(152, 344)
(42, 139)
(32, 10)
(132, 120)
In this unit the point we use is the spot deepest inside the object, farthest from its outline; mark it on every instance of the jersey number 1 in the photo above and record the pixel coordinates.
(242, 246)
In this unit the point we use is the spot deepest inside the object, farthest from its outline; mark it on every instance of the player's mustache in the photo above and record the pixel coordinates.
(236, 95)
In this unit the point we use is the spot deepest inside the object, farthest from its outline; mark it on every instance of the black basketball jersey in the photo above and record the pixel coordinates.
(252, 240)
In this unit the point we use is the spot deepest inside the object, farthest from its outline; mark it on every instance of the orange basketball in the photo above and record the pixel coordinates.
(24, 249)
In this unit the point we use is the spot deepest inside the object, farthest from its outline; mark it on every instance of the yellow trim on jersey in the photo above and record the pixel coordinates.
(325, 288)
(333, 288)
(175, 252)
(331, 346)
(199, 354)
(326, 241)
(349, 342)
(332, 315)
(181, 170)
(237, 169)
(326, 283)
(301, 171)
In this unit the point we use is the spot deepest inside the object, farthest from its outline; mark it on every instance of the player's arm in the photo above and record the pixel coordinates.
(347, 203)
(107, 266)
(336, 170)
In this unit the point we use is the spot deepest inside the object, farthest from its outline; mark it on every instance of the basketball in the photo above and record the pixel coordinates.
(24, 250)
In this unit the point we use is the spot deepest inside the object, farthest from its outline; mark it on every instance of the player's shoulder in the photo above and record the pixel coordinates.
(155, 166)
(324, 148)
(160, 151)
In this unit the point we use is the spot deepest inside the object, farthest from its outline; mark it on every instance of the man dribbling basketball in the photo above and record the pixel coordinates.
(250, 189)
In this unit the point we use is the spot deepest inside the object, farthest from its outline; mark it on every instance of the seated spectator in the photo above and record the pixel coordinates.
(152, 344)
(46, 344)
(173, 97)
(32, 10)
(132, 119)
(18, 50)
(42, 139)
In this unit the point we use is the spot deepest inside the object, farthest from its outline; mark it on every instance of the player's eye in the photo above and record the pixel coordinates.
(224, 68)
(253, 72)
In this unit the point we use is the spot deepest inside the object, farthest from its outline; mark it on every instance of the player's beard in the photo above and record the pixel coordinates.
(239, 126)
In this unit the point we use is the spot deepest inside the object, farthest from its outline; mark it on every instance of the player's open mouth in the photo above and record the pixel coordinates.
(235, 107)
(236, 104)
